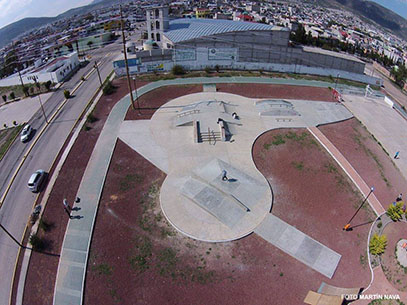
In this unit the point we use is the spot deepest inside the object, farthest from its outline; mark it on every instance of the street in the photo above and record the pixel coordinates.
(17, 206)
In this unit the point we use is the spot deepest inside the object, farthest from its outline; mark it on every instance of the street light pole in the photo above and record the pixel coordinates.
(347, 226)
(97, 69)
(135, 88)
(39, 98)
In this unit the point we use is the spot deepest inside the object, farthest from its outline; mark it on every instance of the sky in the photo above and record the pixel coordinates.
(14, 10)
(397, 6)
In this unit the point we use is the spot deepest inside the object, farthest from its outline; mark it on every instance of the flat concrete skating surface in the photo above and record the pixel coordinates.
(298, 245)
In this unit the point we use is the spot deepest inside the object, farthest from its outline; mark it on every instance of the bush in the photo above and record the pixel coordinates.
(91, 118)
(12, 95)
(48, 85)
(178, 70)
(4, 97)
(207, 70)
(67, 94)
(395, 212)
(31, 89)
(25, 90)
(15, 123)
(377, 244)
(108, 88)
(37, 242)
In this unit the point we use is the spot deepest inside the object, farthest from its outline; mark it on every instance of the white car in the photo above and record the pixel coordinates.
(26, 133)
(36, 180)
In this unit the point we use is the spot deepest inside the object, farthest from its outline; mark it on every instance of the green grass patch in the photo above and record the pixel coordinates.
(298, 165)
(8, 136)
(103, 269)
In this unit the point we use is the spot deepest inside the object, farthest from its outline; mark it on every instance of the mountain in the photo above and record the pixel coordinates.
(11, 31)
(372, 11)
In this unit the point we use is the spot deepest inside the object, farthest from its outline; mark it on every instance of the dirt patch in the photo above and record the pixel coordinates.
(395, 273)
(368, 158)
(313, 194)
(152, 100)
(41, 275)
(278, 91)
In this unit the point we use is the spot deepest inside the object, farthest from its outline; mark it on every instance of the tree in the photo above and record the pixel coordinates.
(395, 211)
(48, 85)
(90, 43)
(377, 244)
(25, 91)
(67, 94)
(4, 97)
(38, 85)
(12, 95)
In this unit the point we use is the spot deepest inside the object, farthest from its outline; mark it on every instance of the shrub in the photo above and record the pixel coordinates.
(91, 118)
(379, 225)
(31, 89)
(48, 85)
(395, 211)
(25, 91)
(178, 70)
(37, 242)
(4, 97)
(12, 95)
(207, 70)
(5, 125)
(108, 88)
(44, 225)
(15, 123)
(67, 94)
(377, 244)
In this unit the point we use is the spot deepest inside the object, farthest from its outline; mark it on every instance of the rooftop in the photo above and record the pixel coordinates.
(187, 29)
(332, 53)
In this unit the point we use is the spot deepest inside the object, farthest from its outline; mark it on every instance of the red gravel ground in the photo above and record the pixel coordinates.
(278, 91)
(39, 288)
(395, 273)
(368, 158)
(150, 101)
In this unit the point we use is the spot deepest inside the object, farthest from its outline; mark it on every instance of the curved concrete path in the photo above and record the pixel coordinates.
(69, 284)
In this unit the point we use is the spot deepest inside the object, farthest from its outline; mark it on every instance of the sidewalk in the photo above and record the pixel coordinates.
(349, 170)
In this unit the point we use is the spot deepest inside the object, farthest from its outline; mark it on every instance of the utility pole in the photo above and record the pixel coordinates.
(39, 98)
(97, 69)
(135, 88)
(125, 59)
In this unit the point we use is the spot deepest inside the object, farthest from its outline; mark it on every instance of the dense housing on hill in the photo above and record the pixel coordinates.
(200, 43)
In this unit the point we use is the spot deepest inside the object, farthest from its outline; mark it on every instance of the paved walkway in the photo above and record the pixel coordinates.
(69, 285)
(300, 246)
(349, 170)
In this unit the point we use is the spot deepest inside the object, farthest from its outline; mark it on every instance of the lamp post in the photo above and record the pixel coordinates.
(347, 226)
(135, 88)
(39, 98)
(336, 82)
(97, 70)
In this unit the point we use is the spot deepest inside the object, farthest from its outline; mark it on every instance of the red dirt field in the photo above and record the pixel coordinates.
(368, 158)
(154, 99)
(278, 91)
(395, 273)
(41, 275)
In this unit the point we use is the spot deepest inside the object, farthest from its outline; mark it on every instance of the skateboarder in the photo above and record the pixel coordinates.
(224, 177)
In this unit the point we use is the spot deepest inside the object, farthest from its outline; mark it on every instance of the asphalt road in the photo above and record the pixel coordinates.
(17, 205)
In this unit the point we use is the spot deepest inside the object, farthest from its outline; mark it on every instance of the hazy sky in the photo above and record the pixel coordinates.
(14, 10)
(397, 6)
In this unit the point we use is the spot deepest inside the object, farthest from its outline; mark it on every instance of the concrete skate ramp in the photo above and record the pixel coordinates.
(244, 188)
(225, 208)
(276, 108)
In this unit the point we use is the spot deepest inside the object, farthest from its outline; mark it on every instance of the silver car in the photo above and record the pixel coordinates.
(36, 180)
(26, 133)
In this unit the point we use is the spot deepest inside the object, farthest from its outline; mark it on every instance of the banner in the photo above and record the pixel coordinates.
(222, 54)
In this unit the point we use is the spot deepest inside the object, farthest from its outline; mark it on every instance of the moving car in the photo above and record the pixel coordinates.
(26, 133)
(36, 180)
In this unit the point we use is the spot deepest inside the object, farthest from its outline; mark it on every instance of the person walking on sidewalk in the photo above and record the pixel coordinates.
(396, 156)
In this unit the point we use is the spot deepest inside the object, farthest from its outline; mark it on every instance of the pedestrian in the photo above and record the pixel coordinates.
(224, 177)
(66, 205)
(399, 197)
(396, 156)
(69, 213)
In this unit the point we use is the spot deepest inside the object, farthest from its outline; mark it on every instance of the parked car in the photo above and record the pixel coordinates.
(36, 180)
(26, 133)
